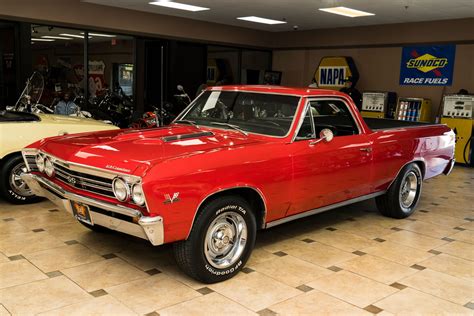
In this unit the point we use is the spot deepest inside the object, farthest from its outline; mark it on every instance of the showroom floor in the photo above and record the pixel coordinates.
(346, 261)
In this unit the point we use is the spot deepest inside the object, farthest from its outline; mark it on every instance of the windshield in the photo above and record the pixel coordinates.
(268, 114)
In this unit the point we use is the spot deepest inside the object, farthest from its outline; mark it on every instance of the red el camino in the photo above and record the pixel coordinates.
(238, 159)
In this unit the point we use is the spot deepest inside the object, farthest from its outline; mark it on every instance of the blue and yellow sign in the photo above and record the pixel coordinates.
(427, 65)
(333, 71)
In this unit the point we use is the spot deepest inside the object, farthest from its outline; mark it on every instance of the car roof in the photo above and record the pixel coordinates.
(298, 91)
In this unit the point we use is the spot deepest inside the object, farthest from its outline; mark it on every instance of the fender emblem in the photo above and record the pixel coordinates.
(170, 200)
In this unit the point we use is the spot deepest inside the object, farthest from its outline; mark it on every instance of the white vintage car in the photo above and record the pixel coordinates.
(19, 129)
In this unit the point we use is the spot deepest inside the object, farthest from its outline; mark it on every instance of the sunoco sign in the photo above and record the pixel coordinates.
(427, 65)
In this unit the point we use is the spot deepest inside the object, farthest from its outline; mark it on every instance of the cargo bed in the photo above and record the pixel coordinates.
(378, 124)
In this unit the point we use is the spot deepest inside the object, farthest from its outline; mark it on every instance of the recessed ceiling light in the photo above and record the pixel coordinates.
(257, 19)
(57, 37)
(72, 35)
(100, 35)
(179, 6)
(42, 40)
(353, 13)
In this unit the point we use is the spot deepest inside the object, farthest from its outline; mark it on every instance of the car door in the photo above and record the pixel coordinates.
(325, 173)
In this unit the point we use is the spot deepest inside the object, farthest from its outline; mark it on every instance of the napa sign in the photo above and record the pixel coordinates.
(333, 71)
(427, 65)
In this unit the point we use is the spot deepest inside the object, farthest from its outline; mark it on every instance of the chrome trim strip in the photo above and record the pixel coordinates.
(322, 209)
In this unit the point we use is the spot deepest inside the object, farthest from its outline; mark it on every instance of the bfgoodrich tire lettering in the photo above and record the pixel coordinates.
(220, 242)
(12, 188)
(403, 195)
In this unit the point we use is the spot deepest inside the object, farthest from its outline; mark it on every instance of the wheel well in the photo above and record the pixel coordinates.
(252, 196)
(10, 155)
(422, 167)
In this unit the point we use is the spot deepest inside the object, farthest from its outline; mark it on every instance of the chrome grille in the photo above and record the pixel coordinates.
(31, 162)
(83, 181)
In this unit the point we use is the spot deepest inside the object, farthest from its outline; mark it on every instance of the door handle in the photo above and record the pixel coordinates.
(366, 149)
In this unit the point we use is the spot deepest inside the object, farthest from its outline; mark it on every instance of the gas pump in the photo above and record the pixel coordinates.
(458, 115)
(379, 104)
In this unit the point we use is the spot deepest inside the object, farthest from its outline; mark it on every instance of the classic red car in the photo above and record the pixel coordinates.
(238, 159)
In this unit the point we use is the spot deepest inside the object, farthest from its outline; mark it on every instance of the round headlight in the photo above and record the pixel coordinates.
(40, 162)
(137, 194)
(121, 189)
(48, 167)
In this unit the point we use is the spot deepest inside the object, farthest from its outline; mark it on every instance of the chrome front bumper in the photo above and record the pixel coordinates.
(102, 213)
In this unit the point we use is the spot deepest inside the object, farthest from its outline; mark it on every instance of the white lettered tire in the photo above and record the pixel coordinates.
(221, 240)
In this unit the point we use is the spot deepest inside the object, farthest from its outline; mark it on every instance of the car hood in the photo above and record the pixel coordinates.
(134, 151)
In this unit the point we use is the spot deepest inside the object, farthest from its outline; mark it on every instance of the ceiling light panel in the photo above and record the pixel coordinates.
(56, 37)
(72, 35)
(257, 19)
(42, 40)
(352, 13)
(179, 6)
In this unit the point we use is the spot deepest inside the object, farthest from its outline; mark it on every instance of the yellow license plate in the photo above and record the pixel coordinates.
(81, 212)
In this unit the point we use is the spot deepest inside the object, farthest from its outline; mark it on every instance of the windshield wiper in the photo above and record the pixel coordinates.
(235, 127)
(186, 121)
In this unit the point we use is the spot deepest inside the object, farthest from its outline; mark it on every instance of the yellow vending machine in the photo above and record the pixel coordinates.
(458, 114)
(413, 109)
(378, 104)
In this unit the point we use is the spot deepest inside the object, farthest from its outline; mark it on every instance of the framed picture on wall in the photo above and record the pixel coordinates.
(272, 77)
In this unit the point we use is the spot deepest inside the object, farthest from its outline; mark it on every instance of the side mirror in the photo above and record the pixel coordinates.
(180, 88)
(326, 134)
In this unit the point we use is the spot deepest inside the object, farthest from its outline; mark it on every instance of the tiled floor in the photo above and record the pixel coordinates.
(347, 261)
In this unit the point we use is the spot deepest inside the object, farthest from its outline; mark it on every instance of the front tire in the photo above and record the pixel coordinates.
(221, 240)
(403, 195)
(12, 187)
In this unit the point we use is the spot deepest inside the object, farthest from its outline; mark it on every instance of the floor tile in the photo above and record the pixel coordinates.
(18, 272)
(352, 288)
(464, 236)
(316, 303)
(341, 240)
(428, 229)
(4, 311)
(12, 227)
(442, 285)
(451, 265)
(458, 249)
(259, 255)
(320, 254)
(176, 273)
(28, 242)
(255, 291)
(68, 231)
(415, 240)
(377, 269)
(62, 257)
(214, 303)
(155, 292)
(398, 253)
(146, 257)
(40, 296)
(102, 274)
(410, 301)
(104, 305)
(42, 220)
(290, 270)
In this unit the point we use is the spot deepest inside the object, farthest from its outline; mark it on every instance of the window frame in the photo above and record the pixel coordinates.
(308, 106)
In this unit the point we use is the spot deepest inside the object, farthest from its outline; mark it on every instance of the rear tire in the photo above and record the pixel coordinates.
(221, 240)
(403, 195)
(12, 187)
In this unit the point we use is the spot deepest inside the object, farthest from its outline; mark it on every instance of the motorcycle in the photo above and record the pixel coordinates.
(31, 95)
(162, 116)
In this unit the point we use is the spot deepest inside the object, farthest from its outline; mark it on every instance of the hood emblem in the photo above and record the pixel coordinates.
(117, 168)
(171, 200)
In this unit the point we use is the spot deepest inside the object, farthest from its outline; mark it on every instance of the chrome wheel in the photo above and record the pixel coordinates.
(408, 189)
(225, 240)
(16, 183)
